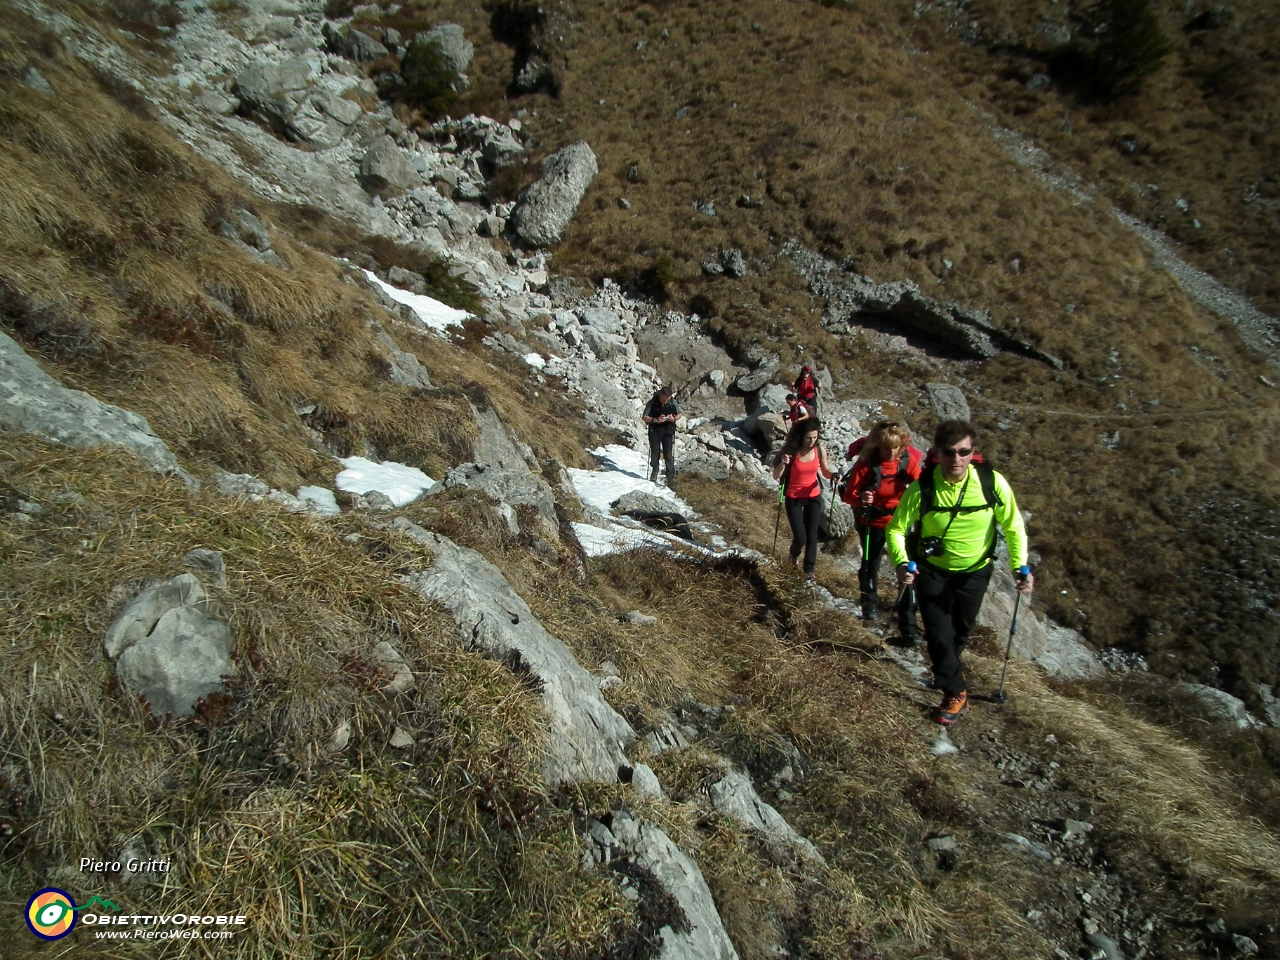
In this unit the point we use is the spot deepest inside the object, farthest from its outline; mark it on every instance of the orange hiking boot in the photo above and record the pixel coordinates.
(952, 709)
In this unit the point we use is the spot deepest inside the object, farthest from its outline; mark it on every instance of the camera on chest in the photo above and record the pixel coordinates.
(932, 547)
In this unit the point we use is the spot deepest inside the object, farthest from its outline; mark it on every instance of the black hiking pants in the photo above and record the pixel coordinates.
(869, 574)
(662, 444)
(804, 515)
(949, 605)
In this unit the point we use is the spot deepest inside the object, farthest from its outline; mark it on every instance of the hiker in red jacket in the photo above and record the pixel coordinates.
(806, 389)
(886, 465)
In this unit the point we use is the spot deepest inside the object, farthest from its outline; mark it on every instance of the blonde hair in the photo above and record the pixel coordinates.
(885, 434)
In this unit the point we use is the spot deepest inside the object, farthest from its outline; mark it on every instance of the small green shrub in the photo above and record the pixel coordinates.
(1118, 44)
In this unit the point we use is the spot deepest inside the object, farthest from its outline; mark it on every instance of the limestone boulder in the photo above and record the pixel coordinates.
(386, 168)
(449, 42)
(736, 798)
(702, 935)
(587, 737)
(171, 647)
(757, 378)
(546, 207)
(353, 44)
(33, 402)
(948, 401)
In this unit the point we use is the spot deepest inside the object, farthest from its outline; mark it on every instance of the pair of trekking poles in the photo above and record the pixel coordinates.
(997, 696)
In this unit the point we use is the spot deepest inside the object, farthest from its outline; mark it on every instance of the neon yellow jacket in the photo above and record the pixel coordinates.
(972, 535)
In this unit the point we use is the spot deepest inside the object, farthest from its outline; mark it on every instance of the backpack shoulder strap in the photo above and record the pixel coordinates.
(987, 477)
(926, 490)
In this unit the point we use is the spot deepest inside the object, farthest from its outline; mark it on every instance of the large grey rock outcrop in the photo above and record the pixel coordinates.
(546, 206)
(735, 797)
(706, 463)
(757, 378)
(353, 44)
(1224, 706)
(854, 300)
(387, 169)
(948, 401)
(588, 738)
(448, 41)
(33, 402)
(403, 367)
(516, 487)
(1270, 704)
(702, 936)
(837, 517)
(269, 90)
(170, 646)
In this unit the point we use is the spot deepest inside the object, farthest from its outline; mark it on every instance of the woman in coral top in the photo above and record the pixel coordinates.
(799, 462)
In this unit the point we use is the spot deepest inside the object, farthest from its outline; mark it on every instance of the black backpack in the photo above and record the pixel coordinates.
(928, 493)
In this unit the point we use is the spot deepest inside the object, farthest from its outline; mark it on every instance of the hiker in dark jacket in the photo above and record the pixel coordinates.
(801, 460)
(661, 414)
(958, 504)
(886, 466)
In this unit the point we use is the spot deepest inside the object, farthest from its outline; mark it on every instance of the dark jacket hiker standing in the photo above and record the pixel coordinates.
(957, 505)
(661, 414)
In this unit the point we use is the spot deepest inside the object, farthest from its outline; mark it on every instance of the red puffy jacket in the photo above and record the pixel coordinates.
(888, 480)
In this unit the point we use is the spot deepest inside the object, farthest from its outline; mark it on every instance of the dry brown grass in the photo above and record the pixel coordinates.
(1200, 130)
(352, 854)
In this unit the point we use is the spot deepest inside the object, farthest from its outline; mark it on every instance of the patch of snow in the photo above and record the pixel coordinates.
(599, 542)
(403, 484)
(535, 360)
(321, 499)
(624, 470)
(434, 314)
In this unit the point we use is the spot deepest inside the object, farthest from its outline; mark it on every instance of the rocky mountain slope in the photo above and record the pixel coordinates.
(270, 271)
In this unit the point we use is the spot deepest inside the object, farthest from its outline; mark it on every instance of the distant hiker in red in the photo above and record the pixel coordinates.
(806, 389)
(799, 462)
(886, 465)
(798, 411)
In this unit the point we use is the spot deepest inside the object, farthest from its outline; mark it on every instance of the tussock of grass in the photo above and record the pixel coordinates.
(451, 848)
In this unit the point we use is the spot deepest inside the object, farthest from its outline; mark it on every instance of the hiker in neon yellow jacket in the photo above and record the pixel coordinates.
(961, 501)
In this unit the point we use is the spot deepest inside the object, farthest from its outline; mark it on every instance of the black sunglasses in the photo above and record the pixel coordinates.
(953, 452)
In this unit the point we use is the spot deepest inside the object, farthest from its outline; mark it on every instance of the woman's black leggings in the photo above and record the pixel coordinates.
(804, 515)
(873, 550)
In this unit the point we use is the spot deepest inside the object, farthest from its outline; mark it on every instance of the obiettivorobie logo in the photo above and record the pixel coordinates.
(51, 913)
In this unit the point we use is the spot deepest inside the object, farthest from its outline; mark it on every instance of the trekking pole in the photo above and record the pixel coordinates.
(1000, 696)
(911, 568)
(777, 518)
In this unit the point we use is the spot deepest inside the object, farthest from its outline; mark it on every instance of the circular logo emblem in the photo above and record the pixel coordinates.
(51, 913)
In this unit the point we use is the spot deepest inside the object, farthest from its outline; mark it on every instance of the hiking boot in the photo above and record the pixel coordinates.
(810, 577)
(953, 707)
(671, 479)
(653, 475)
(869, 607)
